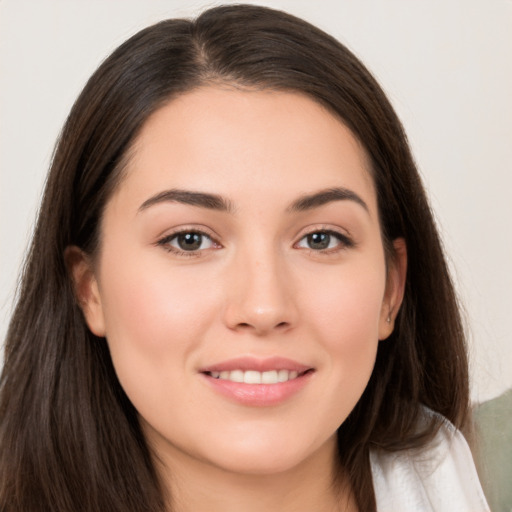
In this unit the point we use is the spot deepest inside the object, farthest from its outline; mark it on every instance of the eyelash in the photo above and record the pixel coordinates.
(345, 242)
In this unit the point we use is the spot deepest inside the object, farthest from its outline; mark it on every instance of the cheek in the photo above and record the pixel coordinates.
(345, 318)
(154, 319)
(140, 297)
(346, 306)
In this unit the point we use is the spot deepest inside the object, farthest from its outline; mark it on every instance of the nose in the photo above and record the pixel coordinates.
(260, 296)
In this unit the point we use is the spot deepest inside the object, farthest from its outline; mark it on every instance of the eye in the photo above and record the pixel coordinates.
(187, 242)
(324, 241)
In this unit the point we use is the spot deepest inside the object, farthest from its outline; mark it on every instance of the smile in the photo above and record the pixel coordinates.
(256, 377)
(258, 382)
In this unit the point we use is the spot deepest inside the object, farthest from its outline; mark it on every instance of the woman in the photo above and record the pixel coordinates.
(235, 294)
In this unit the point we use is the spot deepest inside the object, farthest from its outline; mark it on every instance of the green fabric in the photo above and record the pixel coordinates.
(493, 450)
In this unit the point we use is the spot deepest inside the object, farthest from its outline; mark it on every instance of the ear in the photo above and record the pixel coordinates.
(395, 287)
(86, 288)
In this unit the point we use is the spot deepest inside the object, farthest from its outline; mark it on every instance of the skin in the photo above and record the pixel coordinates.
(255, 287)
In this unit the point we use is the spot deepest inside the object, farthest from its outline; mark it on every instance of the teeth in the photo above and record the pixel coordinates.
(255, 377)
(236, 376)
(270, 377)
(252, 377)
(283, 375)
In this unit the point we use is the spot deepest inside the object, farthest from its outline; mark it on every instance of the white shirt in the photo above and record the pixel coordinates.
(440, 477)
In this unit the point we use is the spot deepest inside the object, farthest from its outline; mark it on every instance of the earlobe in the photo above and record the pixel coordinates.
(86, 288)
(395, 288)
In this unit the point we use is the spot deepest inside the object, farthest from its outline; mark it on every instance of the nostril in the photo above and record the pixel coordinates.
(261, 328)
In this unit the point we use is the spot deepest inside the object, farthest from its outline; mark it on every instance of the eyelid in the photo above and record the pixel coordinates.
(187, 228)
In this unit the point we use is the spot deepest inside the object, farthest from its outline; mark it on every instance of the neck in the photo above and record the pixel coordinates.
(197, 486)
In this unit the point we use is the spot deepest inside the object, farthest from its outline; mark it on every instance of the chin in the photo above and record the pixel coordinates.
(269, 456)
(260, 464)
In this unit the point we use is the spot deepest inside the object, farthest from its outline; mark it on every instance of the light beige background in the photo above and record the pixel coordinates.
(446, 65)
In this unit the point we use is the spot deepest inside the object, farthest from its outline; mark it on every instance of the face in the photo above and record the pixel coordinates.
(241, 282)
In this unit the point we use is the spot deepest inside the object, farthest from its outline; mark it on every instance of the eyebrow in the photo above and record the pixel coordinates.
(310, 201)
(201, 199)
(219, 203)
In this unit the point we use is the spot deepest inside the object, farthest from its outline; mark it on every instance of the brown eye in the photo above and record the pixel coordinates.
(318, 241)
(325, 241)
(187, 241)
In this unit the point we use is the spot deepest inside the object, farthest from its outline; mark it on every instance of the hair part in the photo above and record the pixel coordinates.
(69, 437)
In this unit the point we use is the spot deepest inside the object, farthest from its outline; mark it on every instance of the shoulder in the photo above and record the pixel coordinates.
(439, 477)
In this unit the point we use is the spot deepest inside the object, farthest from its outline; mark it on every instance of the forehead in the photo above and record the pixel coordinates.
(227, 141)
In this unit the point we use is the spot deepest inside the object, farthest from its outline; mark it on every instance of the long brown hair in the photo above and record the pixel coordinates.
(70, 439)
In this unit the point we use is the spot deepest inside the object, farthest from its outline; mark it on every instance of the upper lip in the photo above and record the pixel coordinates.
(257, 364)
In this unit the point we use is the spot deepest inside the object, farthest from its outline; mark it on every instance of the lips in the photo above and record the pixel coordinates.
(260, 365)
(258, 382)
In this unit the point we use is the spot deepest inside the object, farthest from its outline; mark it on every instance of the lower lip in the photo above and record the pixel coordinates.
(259, 395)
